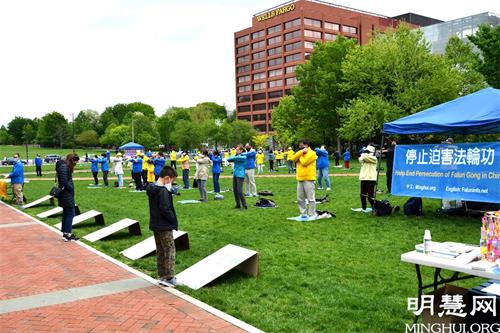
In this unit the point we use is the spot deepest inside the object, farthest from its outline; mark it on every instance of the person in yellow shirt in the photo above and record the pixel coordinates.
(184, 160)
(173, 159)
(151, 170)
(290, 163)
(225, 157)
(279, 157)
(368, 177)
(145, 160)
(306, 175)
(259, 160)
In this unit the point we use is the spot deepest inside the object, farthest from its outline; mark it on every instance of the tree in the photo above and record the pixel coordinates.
(88, 120)
(398, 68)
(52, 130)
(88, 138)
(4, 136)
(208, 110)
(186, 134)
(261, 140)
(15, 129)
(166, 123)
(116, 135)
(319, 93)
(29, 133)
(144, 129)
(242, 132)
(487, 39)
(467, 62)
(118, 113)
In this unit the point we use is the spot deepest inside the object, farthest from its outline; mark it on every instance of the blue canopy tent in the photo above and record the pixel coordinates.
(476, 113)
(131, 148)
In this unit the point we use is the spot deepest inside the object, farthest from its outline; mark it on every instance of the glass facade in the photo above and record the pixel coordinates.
(439, 34)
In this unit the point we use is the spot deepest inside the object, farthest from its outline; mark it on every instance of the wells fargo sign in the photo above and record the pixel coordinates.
(276, 12)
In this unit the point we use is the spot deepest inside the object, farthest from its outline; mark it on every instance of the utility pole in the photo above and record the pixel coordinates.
(73, 121)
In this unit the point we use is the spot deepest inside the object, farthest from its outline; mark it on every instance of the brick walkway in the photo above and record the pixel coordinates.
(64, 287)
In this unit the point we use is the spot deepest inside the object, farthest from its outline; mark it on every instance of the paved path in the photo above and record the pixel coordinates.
(47, 285)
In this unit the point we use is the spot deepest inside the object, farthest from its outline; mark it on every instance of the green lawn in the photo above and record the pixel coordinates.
(338, 275)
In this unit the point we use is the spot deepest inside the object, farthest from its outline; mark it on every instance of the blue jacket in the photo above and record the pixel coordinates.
(95, 165)
(38, 161)
(104, 164)
(240, 162)
(159, 163)
(322, 161)
(250, 159)
(17, 174)
(216, 161)
(137, 165)
(347, 156)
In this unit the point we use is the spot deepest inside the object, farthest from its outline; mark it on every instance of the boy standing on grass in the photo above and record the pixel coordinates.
(162, 221)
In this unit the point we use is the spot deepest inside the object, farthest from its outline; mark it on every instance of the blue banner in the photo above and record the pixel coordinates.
(465, 171)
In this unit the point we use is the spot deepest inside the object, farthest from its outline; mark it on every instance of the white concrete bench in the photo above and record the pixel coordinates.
(39, 201)
(133, 226)
(99, 218)
(148, 246)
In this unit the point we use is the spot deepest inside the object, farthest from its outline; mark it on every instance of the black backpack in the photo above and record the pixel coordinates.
(381, 208)
(413, 206)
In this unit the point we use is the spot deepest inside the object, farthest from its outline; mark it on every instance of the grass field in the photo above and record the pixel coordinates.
(337, 275)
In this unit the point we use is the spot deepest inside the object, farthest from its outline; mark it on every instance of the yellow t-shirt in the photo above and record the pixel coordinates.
(259, 158)
(173, 156)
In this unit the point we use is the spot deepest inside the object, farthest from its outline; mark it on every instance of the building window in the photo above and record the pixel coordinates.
(259, 76)
(348, 29)
(259, 65)
(261, 116)
(244, 108)
(257, 97)
(259, 86)
(246, 118)
(276, 72)
(293, 57)
(307, 55)
(244, 89)
(312, 22)
(332, 26)
(243, 39)
(312, 33)
(258, 45)
(258, 55)
(292, 35)
(272, 30)
(330, 36)
(274, 40)
(291, 24)
(272, 105)
(245, 78)
(244, 69)
(243, 49)
(290, 69)
(245, 98)
(275, 83)
(291, 80)
(260, 128)
(309, 45)
(259, 107)
(275, 94)
(293, 46)
(288, 92)
(274, 51)
(243, 59)
(258, 34)
(274, 62)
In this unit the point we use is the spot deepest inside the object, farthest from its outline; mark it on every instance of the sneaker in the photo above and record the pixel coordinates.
(328, 189)
(320, 188)
(69, 237)
(73, 238)
(172, 282)
(368, 210)
(65, 237)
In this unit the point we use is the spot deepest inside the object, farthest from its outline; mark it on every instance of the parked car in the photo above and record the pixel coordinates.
(52, 158)
(10, 161)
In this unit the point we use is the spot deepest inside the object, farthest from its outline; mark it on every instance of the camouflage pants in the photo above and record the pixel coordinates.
(17, 189)
(165, 253)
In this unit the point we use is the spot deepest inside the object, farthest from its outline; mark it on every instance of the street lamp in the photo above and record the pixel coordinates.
(218, 123)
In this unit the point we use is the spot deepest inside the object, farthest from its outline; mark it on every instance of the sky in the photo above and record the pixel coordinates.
(67, 56)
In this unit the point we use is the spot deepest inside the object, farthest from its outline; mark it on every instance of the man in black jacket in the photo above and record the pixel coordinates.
(162, 221)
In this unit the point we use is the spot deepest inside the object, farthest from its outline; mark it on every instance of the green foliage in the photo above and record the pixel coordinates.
(186, 135)
(116, 135)
(29, 133)
(242, 132)
(52, 130)
(166, 123)
(487, 39)
(118, 114)
(4, 136)
(15, 129)
(88, 138)
(261, 141)
(467, 62)
(88, 120)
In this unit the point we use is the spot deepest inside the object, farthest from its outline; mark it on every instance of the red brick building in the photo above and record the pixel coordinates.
(282, 37)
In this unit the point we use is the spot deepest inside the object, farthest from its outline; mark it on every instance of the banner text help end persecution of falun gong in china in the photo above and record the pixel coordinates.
(464, 171)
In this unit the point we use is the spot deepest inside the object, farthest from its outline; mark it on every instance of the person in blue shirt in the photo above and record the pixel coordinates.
(107, 156)
(347, 158)
(137, 172)
(322, 165)
(270, 158)
(250, 186)
(104, 168)
(159, 163)
(216, 170)
(240, 162)
(38, 165)
(94, 167)
(17, 179)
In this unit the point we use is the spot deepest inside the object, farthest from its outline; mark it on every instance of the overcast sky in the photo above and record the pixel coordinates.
(70, 55)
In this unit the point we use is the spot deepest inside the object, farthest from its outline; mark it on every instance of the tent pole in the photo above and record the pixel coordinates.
(379, 161)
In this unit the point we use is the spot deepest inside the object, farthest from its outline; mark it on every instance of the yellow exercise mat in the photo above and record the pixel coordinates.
(3, 190)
